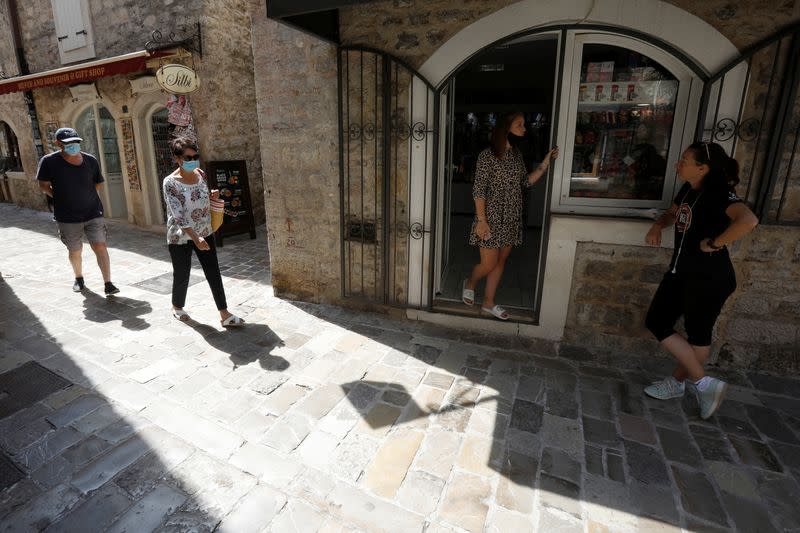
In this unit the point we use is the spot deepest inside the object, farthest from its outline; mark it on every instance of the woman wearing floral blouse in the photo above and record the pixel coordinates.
(189, 230)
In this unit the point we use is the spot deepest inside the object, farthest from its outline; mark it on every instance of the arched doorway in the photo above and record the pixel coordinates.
(99, 132)
(10, 159)
(160, 134)
(618, 107)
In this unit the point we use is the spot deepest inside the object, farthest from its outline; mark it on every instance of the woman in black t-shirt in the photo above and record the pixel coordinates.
(708, 216)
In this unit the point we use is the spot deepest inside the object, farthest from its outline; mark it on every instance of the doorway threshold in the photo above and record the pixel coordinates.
(517, 315)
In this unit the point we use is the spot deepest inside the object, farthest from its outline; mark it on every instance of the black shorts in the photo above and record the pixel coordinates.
(697, 297)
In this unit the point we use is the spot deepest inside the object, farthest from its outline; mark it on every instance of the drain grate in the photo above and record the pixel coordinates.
(162, 284)
(26, 385)
(9, 473)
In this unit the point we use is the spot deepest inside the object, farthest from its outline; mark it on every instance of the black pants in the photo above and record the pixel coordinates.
(697, 297)
(181, 255)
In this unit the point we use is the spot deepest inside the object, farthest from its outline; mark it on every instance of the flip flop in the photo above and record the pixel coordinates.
(232, 321)
(497, 312)
(180, 314)
(467, 295)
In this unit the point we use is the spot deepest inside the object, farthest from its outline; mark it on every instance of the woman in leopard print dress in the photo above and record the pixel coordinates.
(499, 179)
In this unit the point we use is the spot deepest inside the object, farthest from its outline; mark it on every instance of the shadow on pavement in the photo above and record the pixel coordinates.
(244, 345)
(103, 309)
(574, 426)
(71, 460)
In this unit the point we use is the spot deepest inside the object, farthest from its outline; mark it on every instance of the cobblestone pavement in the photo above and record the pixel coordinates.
(113, 415)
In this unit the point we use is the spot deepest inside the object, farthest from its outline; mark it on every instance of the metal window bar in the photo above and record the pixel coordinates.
(787, 179)
(763, 119)
(374, 109)
(769, 186)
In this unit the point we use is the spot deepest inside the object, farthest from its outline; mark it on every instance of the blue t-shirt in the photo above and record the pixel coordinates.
(75, 197)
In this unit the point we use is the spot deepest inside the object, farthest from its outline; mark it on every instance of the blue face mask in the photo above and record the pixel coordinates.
(72, 148)
(190, 166)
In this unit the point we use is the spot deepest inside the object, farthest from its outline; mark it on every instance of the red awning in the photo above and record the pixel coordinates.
(82, 73)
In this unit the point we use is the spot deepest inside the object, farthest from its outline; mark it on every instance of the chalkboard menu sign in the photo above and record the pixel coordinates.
(230, 177)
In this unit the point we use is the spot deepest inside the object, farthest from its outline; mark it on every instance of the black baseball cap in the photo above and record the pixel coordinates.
(67, 135)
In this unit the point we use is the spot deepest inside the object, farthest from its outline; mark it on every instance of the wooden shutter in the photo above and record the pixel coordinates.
(71, 30)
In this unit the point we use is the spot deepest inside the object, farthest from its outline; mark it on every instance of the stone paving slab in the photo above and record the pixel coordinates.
(316, 418)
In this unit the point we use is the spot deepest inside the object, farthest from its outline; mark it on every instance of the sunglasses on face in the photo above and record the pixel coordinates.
(186, 157)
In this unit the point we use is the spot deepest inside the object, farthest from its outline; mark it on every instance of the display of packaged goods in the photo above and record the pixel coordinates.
(600, 71)
(640, 92)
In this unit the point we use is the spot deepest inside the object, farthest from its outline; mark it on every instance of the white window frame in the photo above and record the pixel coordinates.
(73, 44)
(686, 107)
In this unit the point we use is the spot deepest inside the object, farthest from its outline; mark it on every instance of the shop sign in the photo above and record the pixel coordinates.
(177, 79)
(86, 91)
(145, 84)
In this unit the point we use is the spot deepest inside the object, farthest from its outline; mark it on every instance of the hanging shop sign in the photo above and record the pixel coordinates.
(87, 91)
(177, 79)
(145, 84)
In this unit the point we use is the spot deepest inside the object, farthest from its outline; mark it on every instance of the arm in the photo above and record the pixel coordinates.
(743, 221)
(666, 220)
(98, 175)
(46, 187)
(539, 171)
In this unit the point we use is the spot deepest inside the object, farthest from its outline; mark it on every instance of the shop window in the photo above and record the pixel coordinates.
(627, 113)
(10, 160)
(73, 30)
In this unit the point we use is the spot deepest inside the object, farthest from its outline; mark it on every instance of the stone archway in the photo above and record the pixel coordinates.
(686, 32)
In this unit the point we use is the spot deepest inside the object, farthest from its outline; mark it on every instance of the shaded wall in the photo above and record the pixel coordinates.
(296, 91)
(759, 327)
(414, 29)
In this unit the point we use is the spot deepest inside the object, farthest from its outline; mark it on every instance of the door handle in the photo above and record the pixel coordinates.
(63, 37)
(81, 32)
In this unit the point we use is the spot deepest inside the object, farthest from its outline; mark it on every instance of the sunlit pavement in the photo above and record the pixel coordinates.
(114, 415)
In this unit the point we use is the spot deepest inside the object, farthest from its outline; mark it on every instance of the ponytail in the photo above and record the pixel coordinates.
(723, 170)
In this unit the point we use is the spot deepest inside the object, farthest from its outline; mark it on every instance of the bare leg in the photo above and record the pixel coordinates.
(103, 261)
(701, 354)
(493, 279)
(76, 261)
(685, 354)
(488, 262)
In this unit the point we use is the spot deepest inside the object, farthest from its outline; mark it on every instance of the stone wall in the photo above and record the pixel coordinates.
(8, 56)
(758, 328)
(119, 26)
(14, 112)
(296, 90)
(414, 29)
(224, 107)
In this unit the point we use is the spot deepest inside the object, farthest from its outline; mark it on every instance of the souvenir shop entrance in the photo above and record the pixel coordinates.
(518, 76)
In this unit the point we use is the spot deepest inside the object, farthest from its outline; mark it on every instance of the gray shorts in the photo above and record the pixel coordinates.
(71, 232)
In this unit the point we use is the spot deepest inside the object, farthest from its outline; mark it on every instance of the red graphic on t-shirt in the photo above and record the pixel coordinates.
(684, 218)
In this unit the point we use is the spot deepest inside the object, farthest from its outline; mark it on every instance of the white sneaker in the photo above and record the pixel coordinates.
(711, 397)
(665, 389)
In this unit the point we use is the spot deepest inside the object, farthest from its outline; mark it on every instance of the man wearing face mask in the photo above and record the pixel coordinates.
(73, 178)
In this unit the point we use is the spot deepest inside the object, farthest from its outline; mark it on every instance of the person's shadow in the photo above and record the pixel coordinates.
(128, 311)
(244, 345)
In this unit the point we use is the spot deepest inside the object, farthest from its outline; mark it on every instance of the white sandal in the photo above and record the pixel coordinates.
(232, 321)
(497, 312)
(467, 295)
(181, 315)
